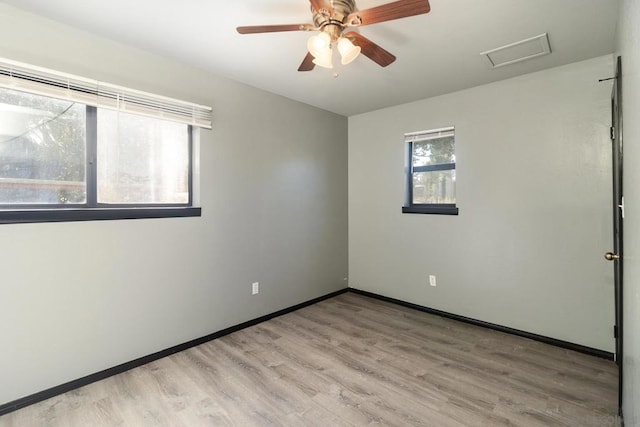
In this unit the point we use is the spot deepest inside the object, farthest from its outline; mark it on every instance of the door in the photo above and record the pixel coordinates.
(618, 216)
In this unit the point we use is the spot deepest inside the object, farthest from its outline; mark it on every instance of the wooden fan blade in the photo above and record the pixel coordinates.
(387, 12)
(253, 29)
(307, 63)
(370, 49)
(318, 5)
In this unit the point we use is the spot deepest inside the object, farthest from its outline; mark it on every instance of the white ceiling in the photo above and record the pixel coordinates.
(437, 53)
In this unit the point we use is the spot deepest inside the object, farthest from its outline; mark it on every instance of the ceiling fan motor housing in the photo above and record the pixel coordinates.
(333, 24)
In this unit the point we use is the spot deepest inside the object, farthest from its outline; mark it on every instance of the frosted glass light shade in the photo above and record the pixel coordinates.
(319, 44)
(325, 59)
(347, 50)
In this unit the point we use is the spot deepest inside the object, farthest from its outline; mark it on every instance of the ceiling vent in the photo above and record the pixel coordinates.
(518, 51)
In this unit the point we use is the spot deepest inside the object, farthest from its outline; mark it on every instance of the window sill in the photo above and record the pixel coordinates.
(433, 210)
(93, 214)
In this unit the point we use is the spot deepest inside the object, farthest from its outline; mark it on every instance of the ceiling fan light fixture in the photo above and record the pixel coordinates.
(348, 51)
(325, 59)
(318, 45)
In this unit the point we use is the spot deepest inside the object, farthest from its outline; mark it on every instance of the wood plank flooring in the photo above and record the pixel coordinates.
(349, 361)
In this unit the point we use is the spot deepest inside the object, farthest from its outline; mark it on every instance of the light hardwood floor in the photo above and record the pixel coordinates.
(349, 361)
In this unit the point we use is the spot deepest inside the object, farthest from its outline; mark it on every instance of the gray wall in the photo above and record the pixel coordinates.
(76, 298)
(629, 48)
(533, 182)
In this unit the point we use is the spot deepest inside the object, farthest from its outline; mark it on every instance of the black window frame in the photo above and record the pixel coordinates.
(425, 208)
(91, 210)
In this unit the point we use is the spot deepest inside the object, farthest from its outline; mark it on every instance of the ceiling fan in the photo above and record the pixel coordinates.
(333, 18)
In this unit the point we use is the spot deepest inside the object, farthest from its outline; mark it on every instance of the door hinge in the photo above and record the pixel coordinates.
(615, 331)
(612, 133)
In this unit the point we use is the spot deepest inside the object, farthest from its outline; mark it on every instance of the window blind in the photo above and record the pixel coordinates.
(428, 135)
(42, 81)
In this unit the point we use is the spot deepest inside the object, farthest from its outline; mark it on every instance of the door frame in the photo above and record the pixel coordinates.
(618, 218)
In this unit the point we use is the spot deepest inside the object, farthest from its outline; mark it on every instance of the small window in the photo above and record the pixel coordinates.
(431, 172)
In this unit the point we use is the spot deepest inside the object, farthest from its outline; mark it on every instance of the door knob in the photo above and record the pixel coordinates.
(610, 256)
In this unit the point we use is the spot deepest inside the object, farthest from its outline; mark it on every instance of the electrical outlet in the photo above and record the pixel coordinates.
(432, 280)
(255, 288)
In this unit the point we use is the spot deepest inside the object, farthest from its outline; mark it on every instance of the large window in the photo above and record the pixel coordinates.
(431, 172)
(111, 157)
